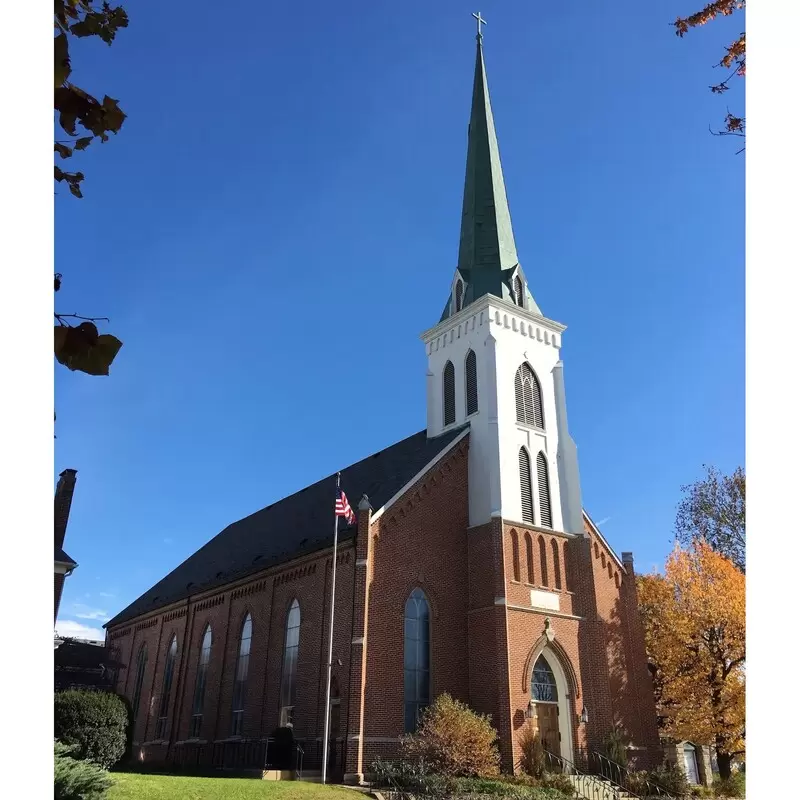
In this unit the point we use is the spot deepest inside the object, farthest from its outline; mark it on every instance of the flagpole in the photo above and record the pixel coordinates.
(330, 640)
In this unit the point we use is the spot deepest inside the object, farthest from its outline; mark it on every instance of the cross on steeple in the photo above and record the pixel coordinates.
(481, 21)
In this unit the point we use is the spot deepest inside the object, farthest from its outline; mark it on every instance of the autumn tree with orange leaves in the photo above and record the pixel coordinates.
(733, 61)
(694, 621)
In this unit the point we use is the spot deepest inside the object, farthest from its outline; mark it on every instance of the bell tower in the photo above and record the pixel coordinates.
(494, 359)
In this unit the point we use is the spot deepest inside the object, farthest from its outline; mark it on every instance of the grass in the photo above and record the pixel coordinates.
(134, 786)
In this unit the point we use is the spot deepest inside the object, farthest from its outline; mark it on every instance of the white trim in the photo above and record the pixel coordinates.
(419, 475)
(603, 540)
(564, 701)
(545, 612)
(499, 601)
(64, 567)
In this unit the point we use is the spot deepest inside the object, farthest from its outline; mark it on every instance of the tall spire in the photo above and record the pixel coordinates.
(487, 254)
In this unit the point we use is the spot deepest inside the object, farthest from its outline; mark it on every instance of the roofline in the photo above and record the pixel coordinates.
(604, 541)
(64, 567)
(422, 472)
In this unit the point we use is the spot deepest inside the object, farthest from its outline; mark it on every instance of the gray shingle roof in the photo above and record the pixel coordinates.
(294, 526)
(63, 558)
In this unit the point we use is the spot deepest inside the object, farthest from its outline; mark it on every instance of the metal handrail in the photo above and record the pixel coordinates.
(588, 786)
(620, 776)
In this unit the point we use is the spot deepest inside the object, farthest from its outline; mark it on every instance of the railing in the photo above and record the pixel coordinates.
(587, 786)
(633, 783)
(242, 754)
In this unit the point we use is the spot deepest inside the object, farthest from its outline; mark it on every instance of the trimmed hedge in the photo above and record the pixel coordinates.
(78, 780)
(94, 724)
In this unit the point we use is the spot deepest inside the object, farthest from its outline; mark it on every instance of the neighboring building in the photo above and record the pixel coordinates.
(696, 761)
(64, 565)
(84, 664)
(472, 568)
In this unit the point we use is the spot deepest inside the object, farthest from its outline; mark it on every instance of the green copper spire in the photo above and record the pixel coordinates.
(487, 254)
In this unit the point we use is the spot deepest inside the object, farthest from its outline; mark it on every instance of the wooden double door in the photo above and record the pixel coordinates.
(547, 727)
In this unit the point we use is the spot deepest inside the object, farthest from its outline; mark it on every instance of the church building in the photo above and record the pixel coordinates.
(472, 567)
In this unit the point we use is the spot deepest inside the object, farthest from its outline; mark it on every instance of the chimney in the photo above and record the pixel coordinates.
(63, 502)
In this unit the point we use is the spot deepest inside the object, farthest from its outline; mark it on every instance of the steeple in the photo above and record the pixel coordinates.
(487, 254)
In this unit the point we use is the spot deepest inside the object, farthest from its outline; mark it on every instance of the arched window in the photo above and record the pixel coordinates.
(525, 488)
(471, 382)
(515, 555)
(289, 675)
(518, 295)
(240, 676)
(449, 390)
(528, 394)
(556, 563)
(459, 296)
(543, 561)
(529, 556)
(543, 683)
(200, 685)
(544, 491)
(416, 658)
(163, 707)
(141, 666)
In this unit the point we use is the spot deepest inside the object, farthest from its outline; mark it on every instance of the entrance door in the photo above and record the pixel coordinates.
(547, 725)
(690, 762)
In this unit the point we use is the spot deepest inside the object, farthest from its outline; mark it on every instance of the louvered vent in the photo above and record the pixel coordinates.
(526, 493)
(528, 395)
(518, 291)
(459, 296)
(449, 381)
(471, 368)
(544, 491)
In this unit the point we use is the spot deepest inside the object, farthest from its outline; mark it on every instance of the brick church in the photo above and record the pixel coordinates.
(472, 567)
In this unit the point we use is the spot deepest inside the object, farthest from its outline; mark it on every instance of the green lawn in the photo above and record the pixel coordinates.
(132, 786)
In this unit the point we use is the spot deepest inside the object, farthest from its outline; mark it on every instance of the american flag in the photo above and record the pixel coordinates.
(343, 507)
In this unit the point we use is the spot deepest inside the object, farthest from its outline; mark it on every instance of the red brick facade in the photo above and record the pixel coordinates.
(484, 632)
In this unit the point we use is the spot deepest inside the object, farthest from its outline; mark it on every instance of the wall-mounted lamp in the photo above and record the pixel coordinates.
(584, 718)
(530, 711)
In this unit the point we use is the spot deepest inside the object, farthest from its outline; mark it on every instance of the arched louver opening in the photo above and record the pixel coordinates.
(526, 492)
(416, 658)
(471, 382)
(518, 296)
(529, 557)
(289, 675)
(240, 676)
(556, 563)
(515, 555)
(449, 391)
(163, 708)
(528, 395)
(459, 296)
(544, 491)
(141, 666)
(196, 724)
(543, 560)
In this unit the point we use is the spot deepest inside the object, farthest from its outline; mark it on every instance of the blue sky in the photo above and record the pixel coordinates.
(277, 223)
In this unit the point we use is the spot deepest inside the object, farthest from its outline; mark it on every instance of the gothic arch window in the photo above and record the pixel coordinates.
(416, 658)
(543, 682)
(163, 707)
(556, 563)
(528, 395)
(141, 666)
(529, 556)
(289, 675)
(518, 294)
(525, 487)
(200, 684)
(471, 382)
(544, 491)
(515, 555)
(449, 392)
(459, 296)
(240, 676)
(543, 561)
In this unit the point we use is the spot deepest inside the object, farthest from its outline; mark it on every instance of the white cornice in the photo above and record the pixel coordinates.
(605, 543)
(490, 301)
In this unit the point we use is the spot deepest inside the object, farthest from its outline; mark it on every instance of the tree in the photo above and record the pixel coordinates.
(78, 345)
(713, 509)
(734, 57)
(694, 621)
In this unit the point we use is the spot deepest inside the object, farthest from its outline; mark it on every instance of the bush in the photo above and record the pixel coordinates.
(453, 741)
(672, 778)
(615, 747)
(730, 787)
(532, 761)
(559, 782)
(94, 723)
(78, 780)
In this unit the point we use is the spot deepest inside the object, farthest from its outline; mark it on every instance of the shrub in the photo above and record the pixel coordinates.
(94, 723)
(532, 760)
(78, 780)
(559, 782)
(672, 778)
(454, 741)
(615, 747)
(730, 787)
